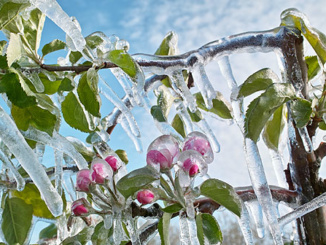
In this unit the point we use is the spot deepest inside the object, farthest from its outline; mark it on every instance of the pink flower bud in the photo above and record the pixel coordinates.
(80, 207)
(113, 162)
(198, 142)
(145, 196)
(191, 167)
(162, 151)
(83, 180)
(100, 171)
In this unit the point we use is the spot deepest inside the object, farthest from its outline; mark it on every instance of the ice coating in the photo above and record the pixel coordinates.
(36, 81)
(199, 142)
(58, 159)
(180, 87)
(16, 143)
(306, 139)
(185, 238)
(39, 151)
(20, 182)
(80, 207)
(57, 142)
(204, 85)
(244, 223)
(167, 145)
(261, 188)
(83, 180)
(69, 185)
(204, 126)
(166, 128)
(136, 140)
(184, 115)
(54, 12)
(277, 161)
(304, 209)
(257, 214)
(100, 170)
(187, 159)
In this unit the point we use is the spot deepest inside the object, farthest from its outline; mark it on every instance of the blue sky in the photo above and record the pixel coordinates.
(144, 24)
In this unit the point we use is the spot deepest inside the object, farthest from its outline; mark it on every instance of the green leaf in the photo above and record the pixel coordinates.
(163, 228)
(177, 124)
(35, 116)
(166, 187)
(74, 56)
(301, 111)
(55, 45)
(124, 61)
(50, 87)
(261, 108)
(14, 51)
(208, 226)
(82, 237)
(93, 41)
(13, 87)
(222, 193)
(176, 207)
(221, 106)
(74, 113)
(164, 99)
(32, 196)
(157, 113)
(322, 125)
(3, 44)
(88, 92)
(48, 232)
(122, 155)
(3, 62)
(168, 45)
(16, 220)
(66, 85)
(258, 81)
(135, 181)
(9, 11)
(100, 234)
(292, 17)
(195, 117)
(274, 128)
(313, 66)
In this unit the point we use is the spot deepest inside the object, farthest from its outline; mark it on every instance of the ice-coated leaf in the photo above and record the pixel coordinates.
(3, 43)
(122, 155)
(81, 238)
(16, 220)
(35, 116)
(14, 51)
(31, 195)
(294, 18)
(55, 45)
(74, 56)
(157, 113)
(165, 100)
(301, 111)
(261, 108)
(100, 235)
(221, 106)
(196, 116)
(163, 228)
(176, 207)
(12, 86)
(88, 92)
(9, 11)
(169, 44)
(274, 128)
(222, 193)
(208, 227)
(74, 113)
(135, 181)
(258, 81)
(166, 187)
(48, 232)
(124, 61)
(50, 87)
(313, 66)
(66, 85)
(177, 124)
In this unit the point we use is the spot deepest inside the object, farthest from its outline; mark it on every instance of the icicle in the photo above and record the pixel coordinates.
(116, 101)
(69, 185)
(39, 150)
(54, 12)
(184, 115)
(306, 139)
(192, 231)
(204, 85)
(118, 234)
(303, 209)
(244, 223)
(210, 135)
(261, 188)
(190, 209)
(179, 85)
(257, 214)
(20, 182)
(58, 158)
(16, 143)
(277, 161)
(57, 142)
(135, 139)
(166, 128)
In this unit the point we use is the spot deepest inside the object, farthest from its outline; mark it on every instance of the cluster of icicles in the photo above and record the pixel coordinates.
(13, 142)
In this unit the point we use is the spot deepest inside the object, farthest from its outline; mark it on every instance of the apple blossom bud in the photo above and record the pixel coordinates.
(100, 170)
(191, 167)
(145, 196)
(113, 162)
(83, 180)
(199, 142)
(80, 207)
